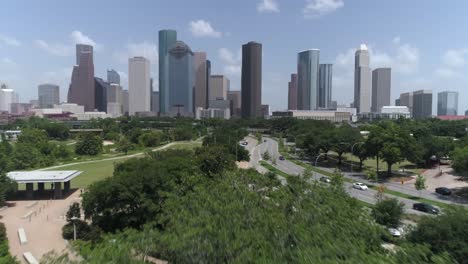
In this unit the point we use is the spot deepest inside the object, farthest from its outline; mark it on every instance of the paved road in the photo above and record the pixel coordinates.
(291, 168)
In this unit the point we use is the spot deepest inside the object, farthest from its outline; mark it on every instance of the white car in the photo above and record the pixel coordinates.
(394, 232)
(360, 186)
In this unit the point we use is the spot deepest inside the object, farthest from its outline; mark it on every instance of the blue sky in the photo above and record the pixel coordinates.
(424, 41)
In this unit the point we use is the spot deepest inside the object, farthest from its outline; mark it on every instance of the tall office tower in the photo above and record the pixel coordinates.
(155, 101)
(234, 98)
(113, 76)
(362, 80)
(265, 111)
(218, 87)
(292, 92)
(81, 89)
(181, 80)
(115, 94)
(7, 98)
(325, 86)
(308, 79)
(100, 96)
(208, 74)
(201, 81)
(397, 102)
(447, 103)
(125, 103)
(381, 88)
(138, 85)
(167, 38)
(251, 80)
(422, 104)
(406, 99)
(48, 94)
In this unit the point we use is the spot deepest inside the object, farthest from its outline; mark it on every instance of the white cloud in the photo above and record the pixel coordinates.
(268, 6)
(144, 49)
(67, 49)
(396, 40)
(78, 37)
(318, 8)
(8, 62)
(444, 72)
(202, 28)
(454, 57)
(232, 62)
(10, 41)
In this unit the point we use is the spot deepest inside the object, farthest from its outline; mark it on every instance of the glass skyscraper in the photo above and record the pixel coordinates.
(325, 85)
(251, 80)
(308, 79)
(167, 38)
(362, 80)
(181, 80)
(48, 95)
(447, 103)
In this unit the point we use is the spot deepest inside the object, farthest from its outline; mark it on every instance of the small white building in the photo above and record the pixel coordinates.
(332, 116)
(213, 113)
(91, 115)
(395, 112)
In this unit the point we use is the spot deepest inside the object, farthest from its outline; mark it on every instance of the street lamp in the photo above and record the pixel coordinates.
(352, 152)
(73, 219)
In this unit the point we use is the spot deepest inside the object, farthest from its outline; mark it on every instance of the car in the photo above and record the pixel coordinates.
(325, 179)
(394, 232)
(360, 186)
(244, 143)
(427, 208)
(443, 191)
(281, 158)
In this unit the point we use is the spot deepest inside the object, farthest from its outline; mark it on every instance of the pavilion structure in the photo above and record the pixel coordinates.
(55, 178)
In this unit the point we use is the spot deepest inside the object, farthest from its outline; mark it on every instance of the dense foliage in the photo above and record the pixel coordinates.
(5, 257)
(388, 212)
(88, 144)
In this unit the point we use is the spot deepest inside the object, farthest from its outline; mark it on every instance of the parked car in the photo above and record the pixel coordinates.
(244, 143)
(325, 179)
(281, 158)
(394, 232)
(427, 208)
(443, 191)
(360, 186)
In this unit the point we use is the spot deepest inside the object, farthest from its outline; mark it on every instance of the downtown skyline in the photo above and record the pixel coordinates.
(436, 65)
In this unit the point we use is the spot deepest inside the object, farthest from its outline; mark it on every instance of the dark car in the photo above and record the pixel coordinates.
(325, 179)
(281, 158)
(427, 208)
(443, 191)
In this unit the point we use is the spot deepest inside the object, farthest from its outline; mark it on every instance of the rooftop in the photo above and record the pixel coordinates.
(42, 176)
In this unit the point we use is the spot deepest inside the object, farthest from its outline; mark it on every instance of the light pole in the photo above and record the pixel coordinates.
(73, 219)
(352, 152)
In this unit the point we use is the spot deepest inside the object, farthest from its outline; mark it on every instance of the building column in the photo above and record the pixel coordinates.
(29, 190)
(58, 190)
(40, 187)
(66, 186)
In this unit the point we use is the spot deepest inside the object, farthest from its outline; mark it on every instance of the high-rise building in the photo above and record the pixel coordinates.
(181, 80)
(397, 102)
(100, 88)
(234, 98)
(251, 80)
(292, 92)
(406, 99)
(325, 86)
(155, 101)
(422, 104)
(125, 101)
(265, 110)
(7, 98)
(208, 74)
(362, 80)
(138, 85)
(466, 113)
(48, 95)
(218, 87)
(167, 38)
(81, 89)
(201, 81)
(447, 103)
(308, 79)
(115, 93)
(113, 76)
(381, 88)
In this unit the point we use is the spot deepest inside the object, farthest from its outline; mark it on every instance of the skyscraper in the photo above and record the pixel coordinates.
(155, 101)
(48, 95)
(125, 101)
(406, 99)
(234, 98)
(381, 88)
(308, 79)
(218, 87)
(113, 76)
(325, 85)
(292, 92)
(447, 103)
(81, 89)
(138, 85)
(251, 80)
(208, 74)
(201, 81)
(422, 104)
(100, 96)
(362, 80)
(167, 38)
(7, 98)
(181, 80)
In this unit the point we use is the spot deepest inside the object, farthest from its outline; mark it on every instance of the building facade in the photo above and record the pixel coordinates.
(201, 81)
(381, 88)
(82, 87)
(234, 98)
(332, 116)
(155, 101)
(113, 76)
(7, 98)
(422, 104)
(325, 86)
(139, 85)
(219, 86)
(447, 103)
(100, 87)
(48, 95)
(362, 80)
(308, 79)
(181, 80)
(167, 38)
(251, 80)
(292, 92)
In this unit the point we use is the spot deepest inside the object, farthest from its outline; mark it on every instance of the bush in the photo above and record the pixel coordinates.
(388, 212)
(89, 144)
(83, 231)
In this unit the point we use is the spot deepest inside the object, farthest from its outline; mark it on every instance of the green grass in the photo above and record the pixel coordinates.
(187, 145)
(270, 167)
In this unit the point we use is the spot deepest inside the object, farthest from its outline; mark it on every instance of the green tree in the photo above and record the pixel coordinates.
(420, 183)
(25, 156)
(124, 145)
(213, 160)
(88, 144)
(73, 211)
(388, 212)
(61, 151)
(150, 139)
(460, 160)
(266, 155)
(391, 154)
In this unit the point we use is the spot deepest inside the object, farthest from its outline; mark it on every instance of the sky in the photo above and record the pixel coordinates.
(425, 42)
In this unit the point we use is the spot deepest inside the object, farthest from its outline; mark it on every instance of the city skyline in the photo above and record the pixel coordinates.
(437, 64)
